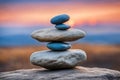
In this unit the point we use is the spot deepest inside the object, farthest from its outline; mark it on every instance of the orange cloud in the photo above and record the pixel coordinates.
(41, 13)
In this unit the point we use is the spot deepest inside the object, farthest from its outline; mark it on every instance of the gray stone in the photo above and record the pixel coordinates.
(49, 35)
(58, 59)
(80, 73)
(59, 19)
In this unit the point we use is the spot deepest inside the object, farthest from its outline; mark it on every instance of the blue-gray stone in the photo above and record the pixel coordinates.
(62, 26)
(58, 46)
(60, 19)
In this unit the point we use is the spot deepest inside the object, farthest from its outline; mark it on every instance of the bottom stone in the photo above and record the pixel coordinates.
(80, 73)
(58, 59)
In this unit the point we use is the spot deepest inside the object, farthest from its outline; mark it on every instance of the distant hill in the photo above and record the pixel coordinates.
(102, 38)
(21, 39)
(17, 40)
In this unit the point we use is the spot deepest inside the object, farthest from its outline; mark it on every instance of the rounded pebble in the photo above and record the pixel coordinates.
(62, 26)
(59, 19)
(58, 46)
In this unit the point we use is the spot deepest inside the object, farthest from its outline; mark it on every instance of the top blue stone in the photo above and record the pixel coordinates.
(60, 19)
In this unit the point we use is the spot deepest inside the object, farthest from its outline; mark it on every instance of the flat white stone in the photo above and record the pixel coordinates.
(49, 35)
(58, 59)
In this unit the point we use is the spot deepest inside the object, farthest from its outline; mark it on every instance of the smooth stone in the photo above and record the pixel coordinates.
(58, 46)
(79, 73)
(62, 26)
(59, 19)
(50, 35)
(58, 59)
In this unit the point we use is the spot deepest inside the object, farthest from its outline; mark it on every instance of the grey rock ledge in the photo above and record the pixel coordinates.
(80, 73)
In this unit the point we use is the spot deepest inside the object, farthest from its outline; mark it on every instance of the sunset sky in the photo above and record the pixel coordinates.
(39, 11)
(24, 16)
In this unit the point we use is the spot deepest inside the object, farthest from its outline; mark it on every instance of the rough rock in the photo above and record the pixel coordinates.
(58, 59)
(49, 35)
(62, 26)
(59, 19)
(80, 73)
(58, 46)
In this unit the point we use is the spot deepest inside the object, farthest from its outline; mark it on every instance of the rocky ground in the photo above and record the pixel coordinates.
(79, 73)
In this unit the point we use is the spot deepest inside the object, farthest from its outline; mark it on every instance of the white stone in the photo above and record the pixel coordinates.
(49, 35)
(58, 59)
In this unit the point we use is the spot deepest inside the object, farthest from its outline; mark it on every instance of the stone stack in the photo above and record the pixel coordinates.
(60, 56)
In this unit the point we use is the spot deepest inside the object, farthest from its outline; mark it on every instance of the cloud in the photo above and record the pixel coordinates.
(40, 1)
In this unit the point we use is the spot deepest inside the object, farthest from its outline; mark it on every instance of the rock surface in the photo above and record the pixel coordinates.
(50, 35)
(58, 46)
(80, 73)
(59, 19)
(58, 59)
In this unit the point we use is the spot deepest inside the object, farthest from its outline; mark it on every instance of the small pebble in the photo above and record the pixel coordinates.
(62, 26)
(58, 46)
(60, 19)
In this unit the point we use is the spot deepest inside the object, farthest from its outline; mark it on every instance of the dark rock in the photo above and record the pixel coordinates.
(58, 46)
(80, 73)
(62, 26)
(59, 19)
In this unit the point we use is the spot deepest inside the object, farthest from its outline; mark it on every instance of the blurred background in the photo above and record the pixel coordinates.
(99, 18)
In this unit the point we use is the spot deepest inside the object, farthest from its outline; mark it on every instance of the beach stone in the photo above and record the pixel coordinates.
(50, 35)
(58, 59)
(59, 19)
(79, 73)
(62, 26)
(58, 46)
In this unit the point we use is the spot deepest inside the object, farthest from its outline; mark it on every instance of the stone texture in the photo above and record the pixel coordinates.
(49, 35)
(58, 46)
(62, 26)
(58, 59)
(59, 19)
(80, 73)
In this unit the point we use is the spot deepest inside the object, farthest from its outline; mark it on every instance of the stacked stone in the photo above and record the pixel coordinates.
(58, 21)
(60, 56)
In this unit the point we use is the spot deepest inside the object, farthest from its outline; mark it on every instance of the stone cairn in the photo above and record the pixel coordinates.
(60, 56)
